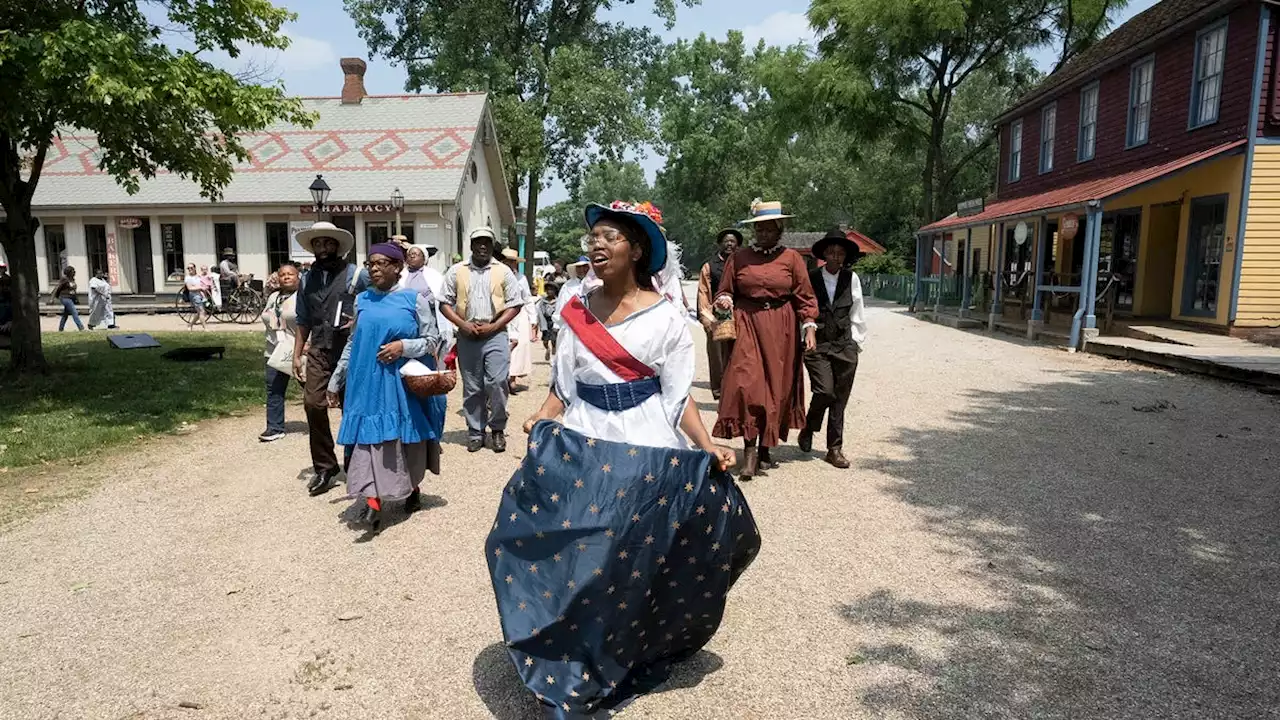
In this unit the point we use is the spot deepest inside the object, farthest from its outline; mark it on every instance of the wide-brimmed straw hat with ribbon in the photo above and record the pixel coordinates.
(322, 229)
(644, 214)
(762, 211)
(835, 237)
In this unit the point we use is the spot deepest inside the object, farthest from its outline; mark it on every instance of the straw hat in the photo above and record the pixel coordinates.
(509, 254)
(323, 229)
(762, 211)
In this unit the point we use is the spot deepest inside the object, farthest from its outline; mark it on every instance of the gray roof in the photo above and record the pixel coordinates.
(800, 240)
(419, 143)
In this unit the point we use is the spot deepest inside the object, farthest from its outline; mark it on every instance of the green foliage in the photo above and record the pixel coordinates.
(561, 225)
(884, 264)
(104, 67)
(929, 75)
(567, 86)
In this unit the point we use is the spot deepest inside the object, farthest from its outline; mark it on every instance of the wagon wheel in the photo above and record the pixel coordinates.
(183, 308)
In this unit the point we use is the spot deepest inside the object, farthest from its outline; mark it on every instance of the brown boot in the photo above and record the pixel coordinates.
(837, 459)
(750, 463)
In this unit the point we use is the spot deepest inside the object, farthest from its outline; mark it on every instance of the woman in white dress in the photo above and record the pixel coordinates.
(100, 310)
(617, 541)
(523, 330)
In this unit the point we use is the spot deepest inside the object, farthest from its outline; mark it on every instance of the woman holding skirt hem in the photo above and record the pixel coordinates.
(615, 543)
(395, 435)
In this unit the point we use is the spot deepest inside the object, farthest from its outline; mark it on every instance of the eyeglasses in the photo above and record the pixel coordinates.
(602, 238)
(379, 263)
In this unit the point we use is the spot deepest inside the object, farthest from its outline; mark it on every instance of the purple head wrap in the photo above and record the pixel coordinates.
(387, 250)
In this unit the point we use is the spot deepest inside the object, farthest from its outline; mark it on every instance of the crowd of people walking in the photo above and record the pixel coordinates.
(619, 536)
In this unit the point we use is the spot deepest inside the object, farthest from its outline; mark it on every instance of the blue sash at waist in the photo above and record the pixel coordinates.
(616, 397)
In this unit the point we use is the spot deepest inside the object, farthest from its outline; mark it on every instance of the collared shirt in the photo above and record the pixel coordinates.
(479, 303)
(858, 325)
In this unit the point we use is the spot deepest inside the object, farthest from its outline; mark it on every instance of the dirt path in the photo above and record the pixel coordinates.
(1015, 540)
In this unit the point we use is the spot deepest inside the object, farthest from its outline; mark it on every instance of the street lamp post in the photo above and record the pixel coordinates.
(319, 194)
(397, 202)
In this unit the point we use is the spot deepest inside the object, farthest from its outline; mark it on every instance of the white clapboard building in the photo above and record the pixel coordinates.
(440, 151)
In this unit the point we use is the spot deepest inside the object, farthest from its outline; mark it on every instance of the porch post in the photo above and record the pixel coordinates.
(1042, 232)
(997, 308)
(919, 272)
(1088, 277)
(968, 272)
(941, 252)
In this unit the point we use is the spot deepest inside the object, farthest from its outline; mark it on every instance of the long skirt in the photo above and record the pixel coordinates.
(762, 393)
(522, 354)
(611, 562)
(391, 470)
(100, 311)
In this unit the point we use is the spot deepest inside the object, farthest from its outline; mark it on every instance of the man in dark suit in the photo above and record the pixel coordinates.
(842, 332)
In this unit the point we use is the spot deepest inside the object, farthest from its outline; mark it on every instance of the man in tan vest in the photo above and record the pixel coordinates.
(481, 297)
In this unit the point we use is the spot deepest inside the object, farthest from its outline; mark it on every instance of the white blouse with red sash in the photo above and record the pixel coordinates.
(658, 338)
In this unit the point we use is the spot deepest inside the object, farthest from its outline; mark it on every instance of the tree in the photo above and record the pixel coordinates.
(896, 69)
(101, 66)
(602, 182)
(566, 85)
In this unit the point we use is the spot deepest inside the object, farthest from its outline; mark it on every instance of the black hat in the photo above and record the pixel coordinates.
(730, 231)
(852, 252)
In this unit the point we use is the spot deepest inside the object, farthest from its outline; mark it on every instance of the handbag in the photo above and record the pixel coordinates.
(725, 328)
(281, 359)
(424, 382)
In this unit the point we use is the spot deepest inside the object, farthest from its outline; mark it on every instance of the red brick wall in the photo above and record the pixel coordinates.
(1171, 98)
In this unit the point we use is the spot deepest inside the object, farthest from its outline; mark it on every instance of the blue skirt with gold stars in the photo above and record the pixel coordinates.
(610, 562)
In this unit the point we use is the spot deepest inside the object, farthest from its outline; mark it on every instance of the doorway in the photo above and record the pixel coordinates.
(143, 263)
(1206, 233)
(1160, 267)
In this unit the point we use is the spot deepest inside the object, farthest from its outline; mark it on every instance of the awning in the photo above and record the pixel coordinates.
(1077, 195)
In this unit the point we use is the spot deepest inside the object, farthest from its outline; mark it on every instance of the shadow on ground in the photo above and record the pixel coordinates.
(504, 694)
(1131, 536)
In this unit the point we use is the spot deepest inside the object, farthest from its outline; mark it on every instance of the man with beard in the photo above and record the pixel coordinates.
(325, 308)
(718, 353)
(480, 298)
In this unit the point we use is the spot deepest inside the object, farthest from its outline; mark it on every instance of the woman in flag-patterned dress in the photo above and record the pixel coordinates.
(616, 542)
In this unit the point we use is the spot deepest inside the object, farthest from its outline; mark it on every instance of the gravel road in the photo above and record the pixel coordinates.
(1025, 534)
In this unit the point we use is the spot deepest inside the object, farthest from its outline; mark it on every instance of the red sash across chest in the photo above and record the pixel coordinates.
(596, 337)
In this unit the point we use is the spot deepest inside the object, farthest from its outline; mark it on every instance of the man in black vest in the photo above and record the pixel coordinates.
(718, 353)
(325, 313)
(841, 334)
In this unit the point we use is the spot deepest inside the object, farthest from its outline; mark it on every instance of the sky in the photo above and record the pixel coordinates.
(323, 33)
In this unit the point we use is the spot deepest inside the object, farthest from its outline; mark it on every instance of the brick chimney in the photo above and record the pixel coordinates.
(353, 80)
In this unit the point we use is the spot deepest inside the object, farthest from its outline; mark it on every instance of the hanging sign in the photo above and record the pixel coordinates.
(1020, 232)
(1069, 226)
(346, 209)
(969, 207)
(129, 223)
(296, 252)
(113, 263)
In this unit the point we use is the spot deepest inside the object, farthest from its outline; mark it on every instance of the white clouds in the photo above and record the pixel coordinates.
(305, 55)
(782, 29)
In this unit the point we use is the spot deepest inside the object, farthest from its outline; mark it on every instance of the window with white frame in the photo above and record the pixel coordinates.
(1088, 143)
(1015, 151)
(1048, 127)
(1206, 84)
(1141, 79)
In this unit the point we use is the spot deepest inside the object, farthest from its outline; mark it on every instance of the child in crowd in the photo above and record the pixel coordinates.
(547, 319)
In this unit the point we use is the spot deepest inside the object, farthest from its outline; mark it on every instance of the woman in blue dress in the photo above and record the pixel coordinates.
(618, 539)
(395, 436)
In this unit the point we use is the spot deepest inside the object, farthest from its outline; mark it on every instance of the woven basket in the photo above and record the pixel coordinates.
(724, 330)
(425, 386)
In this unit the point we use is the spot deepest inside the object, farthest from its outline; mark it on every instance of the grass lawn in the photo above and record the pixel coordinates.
(97, 397)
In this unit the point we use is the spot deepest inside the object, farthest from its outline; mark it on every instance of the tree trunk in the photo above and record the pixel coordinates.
(18, 238)
(531, 224)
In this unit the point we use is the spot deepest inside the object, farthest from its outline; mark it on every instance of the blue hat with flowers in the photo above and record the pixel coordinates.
(644, 214)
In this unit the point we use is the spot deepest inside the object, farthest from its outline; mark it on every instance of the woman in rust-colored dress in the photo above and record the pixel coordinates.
(768, 287)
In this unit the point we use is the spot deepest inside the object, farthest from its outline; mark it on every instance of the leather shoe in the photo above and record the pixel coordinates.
(413, 503)
(750, 463)
(475, 445)
(321, 483)
(805, 441)
(499, 442)
(766, 460)
(837, 459)
(370, 517)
